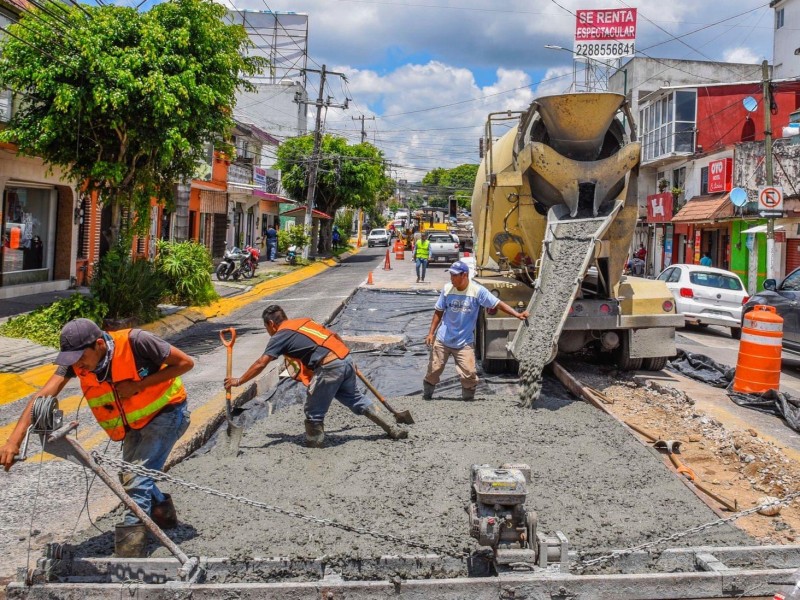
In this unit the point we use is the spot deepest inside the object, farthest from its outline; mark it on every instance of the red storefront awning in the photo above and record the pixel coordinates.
(300, 211)
(705, 209)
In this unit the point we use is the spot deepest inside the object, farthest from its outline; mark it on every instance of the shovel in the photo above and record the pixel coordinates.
(401, 416)
(234, 432)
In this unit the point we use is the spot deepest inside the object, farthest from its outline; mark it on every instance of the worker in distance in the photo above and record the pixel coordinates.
(318, 358)
(131, 382)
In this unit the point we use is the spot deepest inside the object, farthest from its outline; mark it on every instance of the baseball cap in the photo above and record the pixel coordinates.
(458, 267)
(76, 336)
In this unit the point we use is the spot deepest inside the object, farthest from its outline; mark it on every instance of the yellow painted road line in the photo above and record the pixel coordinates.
(19, 385)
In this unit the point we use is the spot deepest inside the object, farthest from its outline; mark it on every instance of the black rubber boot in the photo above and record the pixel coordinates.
(427, 390)
(377, 416)
(164, 514)
(130, 541)
(315, 434)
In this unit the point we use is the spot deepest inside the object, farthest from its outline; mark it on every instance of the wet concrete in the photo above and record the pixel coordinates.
(591, 480)
(562, 265)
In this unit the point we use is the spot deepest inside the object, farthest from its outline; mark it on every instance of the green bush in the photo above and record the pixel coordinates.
(344, 221)
(44, 324)
(129, 288)
(186, 268)
(283, 241)
(298, 237)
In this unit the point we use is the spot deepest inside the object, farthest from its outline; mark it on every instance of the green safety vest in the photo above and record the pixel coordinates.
(422, 249)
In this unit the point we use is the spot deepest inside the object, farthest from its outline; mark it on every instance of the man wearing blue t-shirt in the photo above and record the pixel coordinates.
(452, 329)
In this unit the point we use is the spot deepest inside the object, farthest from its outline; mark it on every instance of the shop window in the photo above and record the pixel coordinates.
(27, 219)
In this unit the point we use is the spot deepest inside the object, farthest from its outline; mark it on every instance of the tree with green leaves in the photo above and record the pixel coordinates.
(457, 182)
(122, 101)
(348, 175)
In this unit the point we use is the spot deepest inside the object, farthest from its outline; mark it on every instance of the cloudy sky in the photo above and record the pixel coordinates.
(430, 71)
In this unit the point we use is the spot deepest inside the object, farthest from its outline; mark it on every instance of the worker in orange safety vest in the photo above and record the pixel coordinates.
(316, 357)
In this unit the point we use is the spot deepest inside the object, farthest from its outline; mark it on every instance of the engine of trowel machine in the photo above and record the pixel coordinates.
(497, 514)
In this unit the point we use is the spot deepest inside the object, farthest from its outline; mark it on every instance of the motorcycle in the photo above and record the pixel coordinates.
(237, 263)
(291, 255)
(253, 258)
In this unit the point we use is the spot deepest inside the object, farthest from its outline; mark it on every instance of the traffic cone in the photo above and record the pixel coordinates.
(369, 279)
(387, 264)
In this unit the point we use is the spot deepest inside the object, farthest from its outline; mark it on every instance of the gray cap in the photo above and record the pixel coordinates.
(77, 336)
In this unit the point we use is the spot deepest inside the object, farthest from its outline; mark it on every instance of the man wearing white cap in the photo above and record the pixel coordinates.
(452, 331)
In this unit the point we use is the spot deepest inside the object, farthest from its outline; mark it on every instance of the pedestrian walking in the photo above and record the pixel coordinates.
(319, 359)
(453, 326)
(706, 260)
(336, 237)
(422, 252)
(131, 382)
(272, 243)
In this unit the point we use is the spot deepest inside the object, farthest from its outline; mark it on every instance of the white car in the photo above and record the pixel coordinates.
(378, 236)
(707, 296)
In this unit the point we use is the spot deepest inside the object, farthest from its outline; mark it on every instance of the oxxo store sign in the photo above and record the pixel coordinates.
(720, 175)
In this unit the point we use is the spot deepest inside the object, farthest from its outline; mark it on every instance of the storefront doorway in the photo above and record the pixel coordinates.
(28, 227)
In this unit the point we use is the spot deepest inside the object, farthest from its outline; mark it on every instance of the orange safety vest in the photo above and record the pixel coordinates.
(317, 334)
(116, 415)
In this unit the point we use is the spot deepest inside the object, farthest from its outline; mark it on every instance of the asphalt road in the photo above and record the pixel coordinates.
(47, 495)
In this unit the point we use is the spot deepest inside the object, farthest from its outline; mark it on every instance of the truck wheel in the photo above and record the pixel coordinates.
(623, 356)
(736, 333)
(655, 364)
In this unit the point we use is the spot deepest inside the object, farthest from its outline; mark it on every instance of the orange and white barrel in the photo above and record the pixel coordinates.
(758, 368)
(399, 250)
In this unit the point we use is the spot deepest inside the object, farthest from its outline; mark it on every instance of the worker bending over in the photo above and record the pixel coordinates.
(131, 382)
(316, 357)
(452, 331)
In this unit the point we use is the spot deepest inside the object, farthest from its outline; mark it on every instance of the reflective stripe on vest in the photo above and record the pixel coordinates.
(116, 415)
(422, 245)
(317, 334)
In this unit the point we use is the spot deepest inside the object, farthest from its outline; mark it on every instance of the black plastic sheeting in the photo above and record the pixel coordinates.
(705, 369)
(394, 372)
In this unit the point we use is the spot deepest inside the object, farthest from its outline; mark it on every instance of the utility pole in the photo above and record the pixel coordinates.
(767, 106)
(315, 154)
(363, 131)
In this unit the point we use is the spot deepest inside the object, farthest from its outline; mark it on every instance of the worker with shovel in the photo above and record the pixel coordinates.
(319, 359)
(131, 382)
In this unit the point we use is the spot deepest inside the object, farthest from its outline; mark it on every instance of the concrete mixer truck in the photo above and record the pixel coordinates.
(554, 209)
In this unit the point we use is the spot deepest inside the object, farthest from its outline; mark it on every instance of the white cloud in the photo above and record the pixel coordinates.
(740, 55)
(406, 56)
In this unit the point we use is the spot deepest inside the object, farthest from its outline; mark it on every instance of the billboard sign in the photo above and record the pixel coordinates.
(719, 175)
(605, 34)
(659, 208)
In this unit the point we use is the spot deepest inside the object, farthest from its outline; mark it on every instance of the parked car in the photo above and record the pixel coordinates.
(785, 297)
(707, 296)
(444, 247)
(378, 237)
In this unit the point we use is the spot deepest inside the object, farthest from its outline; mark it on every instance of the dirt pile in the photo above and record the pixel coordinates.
(736, 463)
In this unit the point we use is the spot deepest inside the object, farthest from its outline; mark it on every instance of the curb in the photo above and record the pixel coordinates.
(214, 413)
